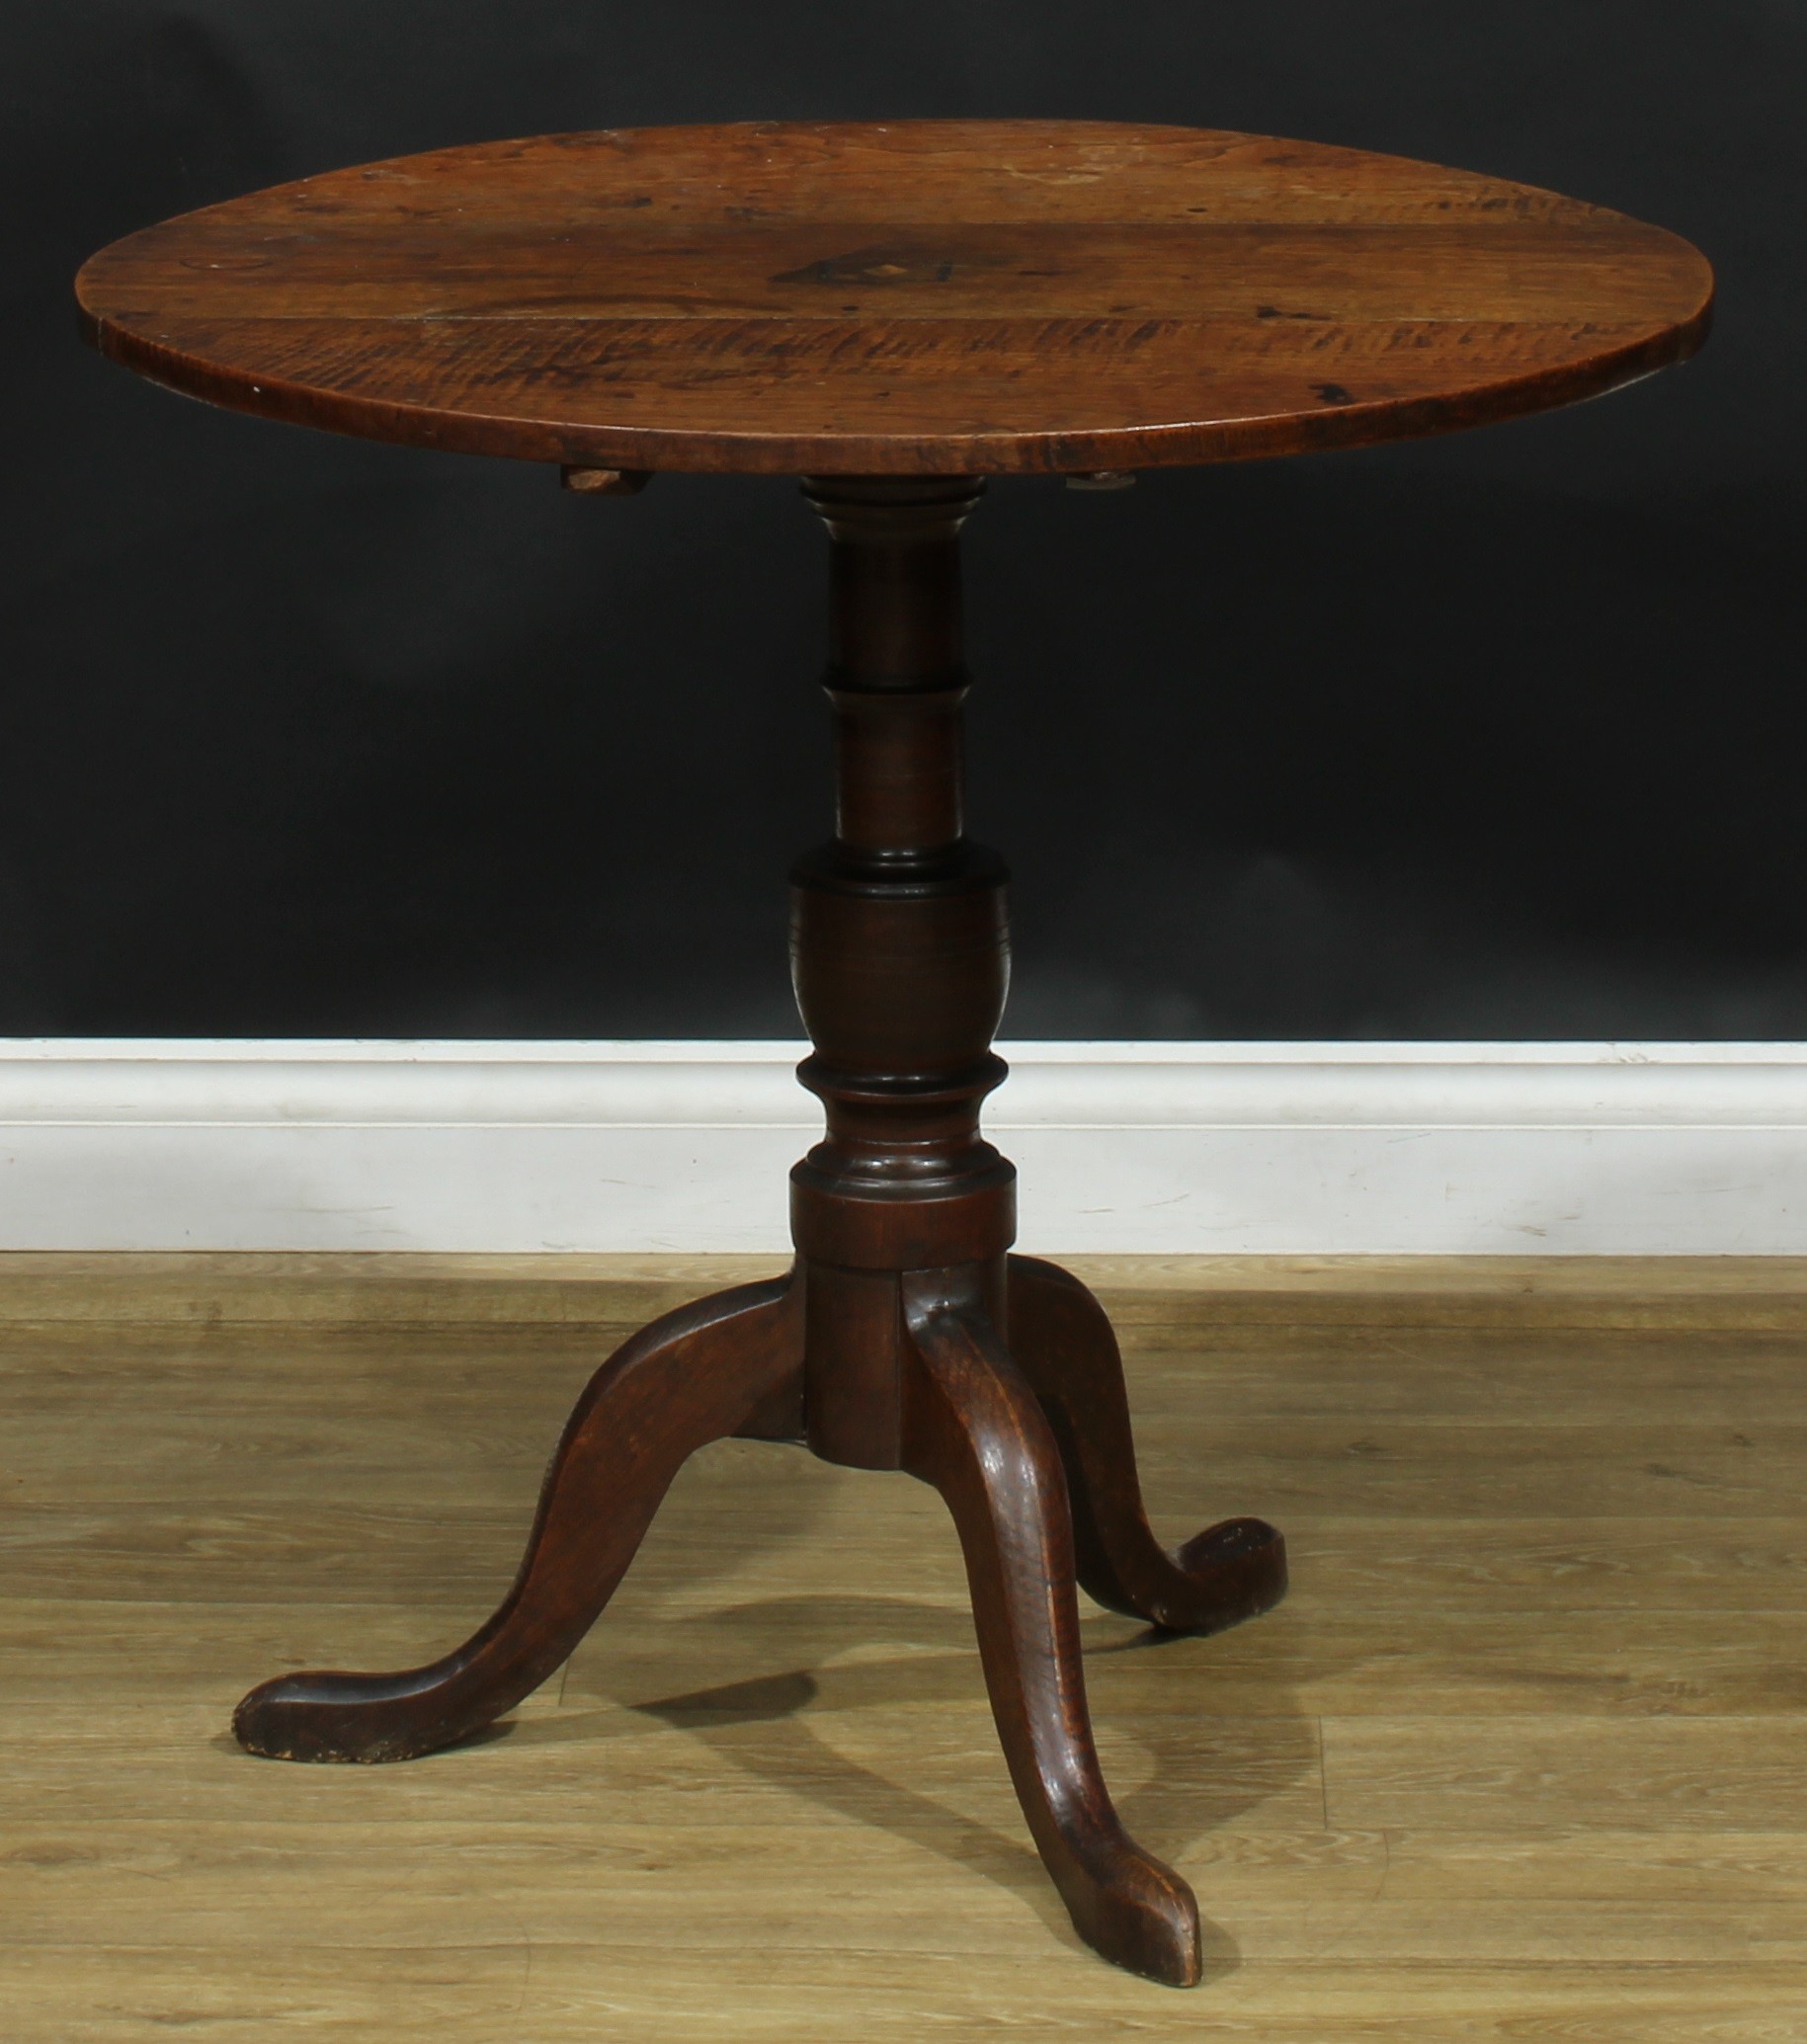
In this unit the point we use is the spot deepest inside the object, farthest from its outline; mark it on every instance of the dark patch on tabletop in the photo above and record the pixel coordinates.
(880, 266)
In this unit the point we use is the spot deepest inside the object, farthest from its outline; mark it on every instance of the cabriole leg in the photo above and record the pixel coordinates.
(1064, 1346)
(972, 1428)
(725, 1365)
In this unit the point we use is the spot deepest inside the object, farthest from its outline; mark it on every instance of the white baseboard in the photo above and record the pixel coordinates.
(1154, 1148)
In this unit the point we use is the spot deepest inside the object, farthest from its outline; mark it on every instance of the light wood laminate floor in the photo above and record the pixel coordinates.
(1524, 1756)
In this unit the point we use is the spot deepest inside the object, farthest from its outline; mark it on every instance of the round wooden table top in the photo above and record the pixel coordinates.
(904, 297)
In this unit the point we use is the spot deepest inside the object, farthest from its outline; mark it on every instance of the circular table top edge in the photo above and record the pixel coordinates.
(1342, 420)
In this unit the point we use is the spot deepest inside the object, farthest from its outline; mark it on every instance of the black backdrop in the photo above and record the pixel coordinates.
(1494, 736)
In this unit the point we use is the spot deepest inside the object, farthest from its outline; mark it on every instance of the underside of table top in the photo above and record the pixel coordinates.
(913, 297)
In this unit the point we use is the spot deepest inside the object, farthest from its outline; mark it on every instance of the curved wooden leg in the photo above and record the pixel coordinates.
(728, 1364)
(1063, 1344)
(972, 1428)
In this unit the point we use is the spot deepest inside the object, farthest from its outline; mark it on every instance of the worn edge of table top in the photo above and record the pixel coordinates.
(185, 304)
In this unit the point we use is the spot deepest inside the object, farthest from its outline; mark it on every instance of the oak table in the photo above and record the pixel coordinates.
(894, 312)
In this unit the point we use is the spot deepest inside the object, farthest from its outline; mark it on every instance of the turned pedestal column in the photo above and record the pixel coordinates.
(906, 1336)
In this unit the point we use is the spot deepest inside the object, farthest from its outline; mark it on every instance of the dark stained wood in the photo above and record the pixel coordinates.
(973, 1428)
(886, 1348)
(728, 1365)
(1063, 1341)
(895, 311)
(900, 955)
(911, 297)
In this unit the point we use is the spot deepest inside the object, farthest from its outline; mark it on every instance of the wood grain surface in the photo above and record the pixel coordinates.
(913, 297)
(1524, 1756)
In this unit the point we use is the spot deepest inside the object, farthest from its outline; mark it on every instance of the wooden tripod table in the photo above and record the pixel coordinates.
(893, 312)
